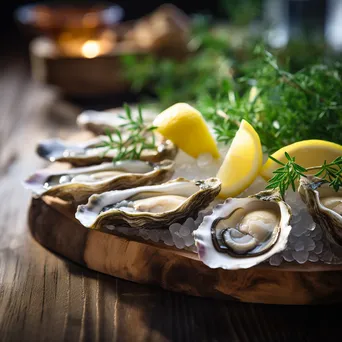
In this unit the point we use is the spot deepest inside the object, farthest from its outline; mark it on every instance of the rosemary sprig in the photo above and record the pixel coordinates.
(289, 172)
(137, 137)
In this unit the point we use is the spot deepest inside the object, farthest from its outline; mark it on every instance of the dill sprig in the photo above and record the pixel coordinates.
(289, 172)
(132, 137)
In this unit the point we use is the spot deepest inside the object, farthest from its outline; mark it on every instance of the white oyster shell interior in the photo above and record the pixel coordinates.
(253, 229)
(45, 179)
(146, 199)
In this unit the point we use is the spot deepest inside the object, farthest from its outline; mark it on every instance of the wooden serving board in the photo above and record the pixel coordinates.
(52, 224)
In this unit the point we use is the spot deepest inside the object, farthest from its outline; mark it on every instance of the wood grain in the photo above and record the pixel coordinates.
(44, 297)
(179, 270)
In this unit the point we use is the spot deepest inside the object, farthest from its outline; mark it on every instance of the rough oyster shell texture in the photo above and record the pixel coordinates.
(87, 153)
(99, 122)
(314, 192)
(194, 195)
(78, 184)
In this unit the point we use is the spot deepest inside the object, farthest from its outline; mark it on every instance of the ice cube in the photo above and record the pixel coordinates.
(319, 247)
(299, 246)
(179, 242)
(204, 160)
(313, 257)
(309, 244)
(189, 240)
(153, 235)
(190, 223)
(175, 228)
(276, 260)
(287, 255)
(300, 256)
(184, 231)
(298, 229)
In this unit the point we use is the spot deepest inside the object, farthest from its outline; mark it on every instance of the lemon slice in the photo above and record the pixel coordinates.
(242, 163)
(186, 128)
(307, 153)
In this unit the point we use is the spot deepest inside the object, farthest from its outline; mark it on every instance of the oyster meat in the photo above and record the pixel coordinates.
(77, 184)
(149, 207)
(89, 152)
(98, 122)
(325, 206)
(243, 232)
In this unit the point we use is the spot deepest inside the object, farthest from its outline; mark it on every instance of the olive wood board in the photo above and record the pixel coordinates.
(53, 225)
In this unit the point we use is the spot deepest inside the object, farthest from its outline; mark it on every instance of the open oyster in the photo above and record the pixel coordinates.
(243, 232)
(77, 184)
(149, 207)
(89, 152)
(325, 206)
(98, 122)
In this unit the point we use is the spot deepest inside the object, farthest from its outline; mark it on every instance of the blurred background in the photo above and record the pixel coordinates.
(127, 50)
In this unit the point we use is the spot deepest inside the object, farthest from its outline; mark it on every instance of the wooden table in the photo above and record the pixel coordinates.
(44, 297)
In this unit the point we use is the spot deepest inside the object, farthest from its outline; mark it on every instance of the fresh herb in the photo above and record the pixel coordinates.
(136, 138)
(283, 107)
(290, 172)
(286, 175)
(227, 85)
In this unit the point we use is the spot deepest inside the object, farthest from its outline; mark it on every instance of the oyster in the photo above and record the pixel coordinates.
(89, 152)
(98, 122)
(149, 207)
(242, 232)
(325, 206)
(77, 184)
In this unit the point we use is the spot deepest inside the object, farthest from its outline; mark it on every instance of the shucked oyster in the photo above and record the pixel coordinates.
(77, 184)
(325, 206)
(243, 232)
(98, 122)
(150, 207)
(88, 152)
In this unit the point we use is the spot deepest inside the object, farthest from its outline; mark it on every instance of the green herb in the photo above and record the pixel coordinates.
(137, 137)
(286, 175)
(286, 107)
(290, 172)
(229, 84)
(332, 172)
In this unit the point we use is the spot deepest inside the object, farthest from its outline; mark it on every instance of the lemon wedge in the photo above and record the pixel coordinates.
(242, 163)
(307, 153)
(186, 128)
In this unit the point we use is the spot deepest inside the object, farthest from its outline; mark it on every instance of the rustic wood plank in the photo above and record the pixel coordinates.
(44, 297)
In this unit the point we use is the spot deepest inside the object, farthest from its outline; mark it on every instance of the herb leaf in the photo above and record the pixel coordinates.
(138, 137)
(289, 173)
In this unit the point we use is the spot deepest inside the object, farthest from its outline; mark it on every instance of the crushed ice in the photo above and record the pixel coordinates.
(306, 242)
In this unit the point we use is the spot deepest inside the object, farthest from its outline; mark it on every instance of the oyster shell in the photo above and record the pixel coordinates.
(77, 184)
(87, 153)
(99, 122)
(325, 206)
(242, 232)
(149, 207)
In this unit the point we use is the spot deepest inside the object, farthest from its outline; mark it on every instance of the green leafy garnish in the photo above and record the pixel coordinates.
(137, 137)
(289, 172)
(284, 100)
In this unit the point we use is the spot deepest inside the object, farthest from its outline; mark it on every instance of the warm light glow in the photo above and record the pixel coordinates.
(91, 49)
